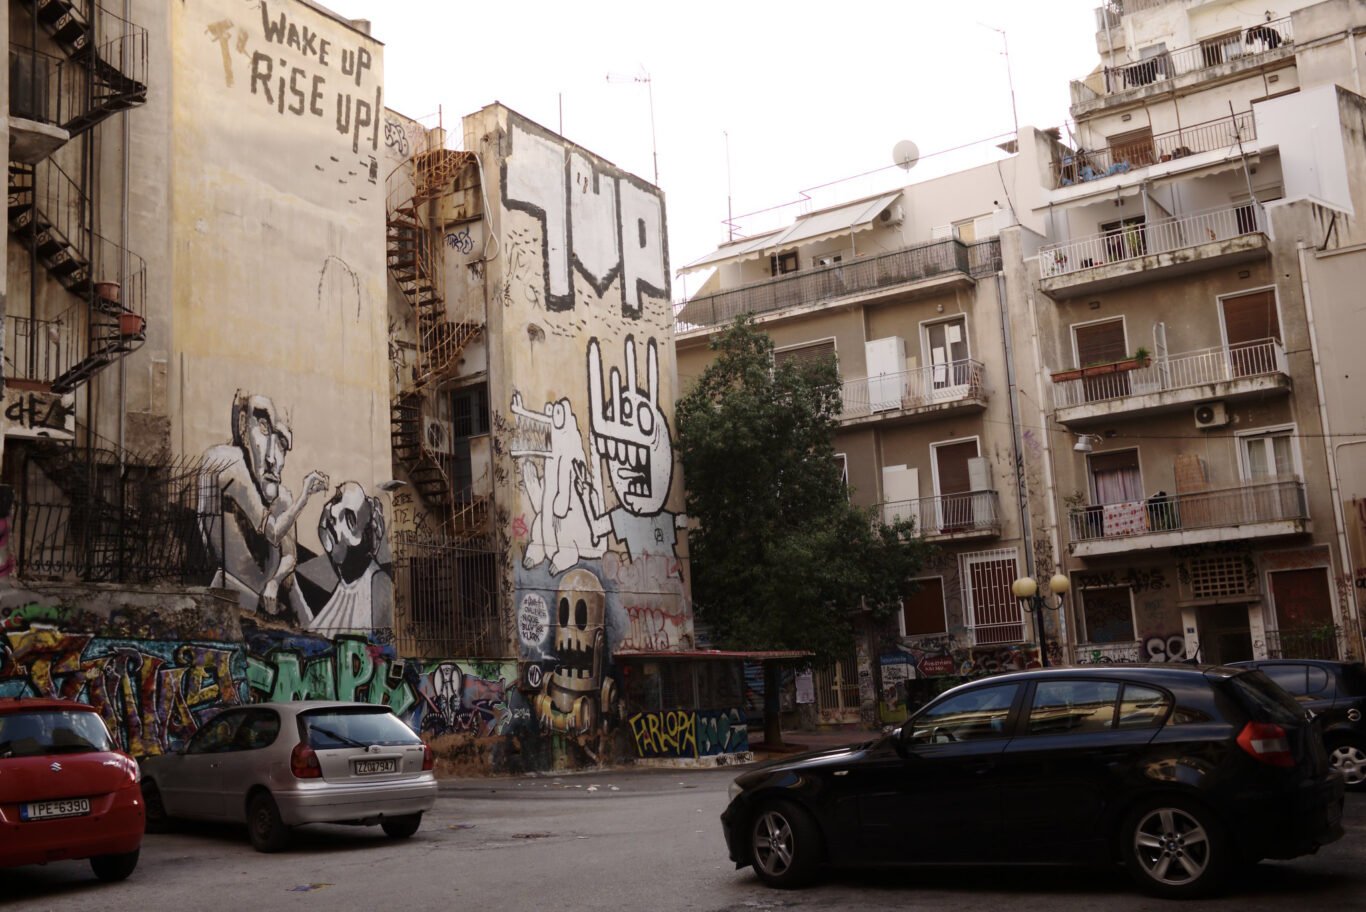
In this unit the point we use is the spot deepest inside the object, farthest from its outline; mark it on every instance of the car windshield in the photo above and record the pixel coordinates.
(334, 728)
(52, 731)
(1267, 701)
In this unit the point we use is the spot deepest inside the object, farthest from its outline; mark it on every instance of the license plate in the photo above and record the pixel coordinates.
(370, 767)
(45, 810)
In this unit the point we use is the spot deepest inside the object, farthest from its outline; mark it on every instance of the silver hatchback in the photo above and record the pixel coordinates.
(279, 765)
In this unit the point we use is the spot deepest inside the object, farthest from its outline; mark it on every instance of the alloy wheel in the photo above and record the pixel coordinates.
(1350, 761)
(1171, 846)
(773, 843)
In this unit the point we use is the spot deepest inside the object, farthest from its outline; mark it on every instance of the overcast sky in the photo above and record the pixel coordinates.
(809, 94)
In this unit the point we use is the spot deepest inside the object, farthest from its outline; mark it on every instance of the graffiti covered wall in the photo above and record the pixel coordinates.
(277, 335)
(583, 388)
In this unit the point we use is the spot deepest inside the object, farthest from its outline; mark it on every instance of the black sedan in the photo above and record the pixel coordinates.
(1180, 773)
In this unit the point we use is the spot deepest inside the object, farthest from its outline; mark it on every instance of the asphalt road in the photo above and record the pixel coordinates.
(613, 841)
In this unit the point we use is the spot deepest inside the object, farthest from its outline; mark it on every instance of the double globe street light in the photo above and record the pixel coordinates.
(1027, 591)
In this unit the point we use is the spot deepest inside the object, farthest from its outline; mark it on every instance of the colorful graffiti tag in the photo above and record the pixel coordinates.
(686, 733)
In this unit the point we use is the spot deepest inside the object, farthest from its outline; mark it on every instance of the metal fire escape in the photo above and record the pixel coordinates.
(443, 328)
(52, 214)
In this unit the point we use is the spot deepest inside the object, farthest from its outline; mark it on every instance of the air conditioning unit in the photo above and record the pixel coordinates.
(1211, 415)
(892, 216)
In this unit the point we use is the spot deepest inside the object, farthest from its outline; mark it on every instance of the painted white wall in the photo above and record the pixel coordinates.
(1307, 129)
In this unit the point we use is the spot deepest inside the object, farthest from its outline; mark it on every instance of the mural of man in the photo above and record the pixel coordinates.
(253, 541)
(351, 529)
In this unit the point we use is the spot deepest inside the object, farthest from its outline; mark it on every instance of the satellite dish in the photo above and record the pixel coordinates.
(905, 154)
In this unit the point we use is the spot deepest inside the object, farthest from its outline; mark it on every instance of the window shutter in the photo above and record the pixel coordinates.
(1100, 343)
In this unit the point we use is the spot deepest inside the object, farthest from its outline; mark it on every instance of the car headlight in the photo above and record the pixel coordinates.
(735, 789)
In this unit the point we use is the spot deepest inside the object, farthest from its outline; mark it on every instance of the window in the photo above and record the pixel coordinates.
(1303, 599)
(1251, 322)
(782, 263)
(217, 736)
(1142, 707)
(258, 729)
(1109, 615)
(922, 610)
(1115, 477)
(1292, 678)
(1102, 343)
(470, 411)
(1269, 456)
(1073, 707)
(971, 716)
(993, 612)
(49, 731)
(1221, 576)
(1134, 147)
(811, 351)
(946, 350)
(1124, 239)
(828, 259)
(1222, 48)
(332, 728)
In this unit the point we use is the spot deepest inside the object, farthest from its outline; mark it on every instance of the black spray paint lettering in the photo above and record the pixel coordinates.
(355, 63)
(364, 116)
(262, 72)
(302, 39)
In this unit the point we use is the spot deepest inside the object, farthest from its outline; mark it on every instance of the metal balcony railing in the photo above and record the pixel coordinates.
(1225, 133)
(920, 388)
(42, 350)
(1271, 501)
(1244, 45)
(1121, 652)
(900, 267)
(1325, 641)
(1197, 368)
(947, 514)
(1160, 236)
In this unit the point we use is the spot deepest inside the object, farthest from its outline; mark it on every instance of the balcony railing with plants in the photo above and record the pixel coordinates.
(1261, 502)
(900, 267)
(1147, 375)
(920, 388)
(1242, 46)
(1316, 641)
(1088, 165)
(947, 514)
(1150, 238)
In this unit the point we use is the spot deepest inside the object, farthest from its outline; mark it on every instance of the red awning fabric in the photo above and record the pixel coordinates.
(731, 654)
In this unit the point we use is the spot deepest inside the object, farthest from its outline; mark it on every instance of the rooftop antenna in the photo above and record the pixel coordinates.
(644, 78)
(1010, 79)
(730, 214)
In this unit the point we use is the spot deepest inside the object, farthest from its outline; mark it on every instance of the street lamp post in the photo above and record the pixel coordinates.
(1033, 601)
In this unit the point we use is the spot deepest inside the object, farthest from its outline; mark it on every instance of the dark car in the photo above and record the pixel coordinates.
(1179, 772)
(1336, 693)
(66, 790)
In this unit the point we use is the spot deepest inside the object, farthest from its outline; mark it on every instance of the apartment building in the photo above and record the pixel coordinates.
(1213, 176)
(1104, 358)
(905, 290)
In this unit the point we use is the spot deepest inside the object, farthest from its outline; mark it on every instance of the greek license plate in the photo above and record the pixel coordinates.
(370, 767)
(44, 810)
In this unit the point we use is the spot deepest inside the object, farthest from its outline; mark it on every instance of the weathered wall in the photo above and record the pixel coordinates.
(278, 354)
(582, 386)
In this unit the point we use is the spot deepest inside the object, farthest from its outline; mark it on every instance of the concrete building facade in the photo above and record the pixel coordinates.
(1163, 419)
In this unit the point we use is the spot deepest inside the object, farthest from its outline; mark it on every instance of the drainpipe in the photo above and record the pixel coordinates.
(1016, 445)
(1328, 450)
(1046, 437)
(123, 253)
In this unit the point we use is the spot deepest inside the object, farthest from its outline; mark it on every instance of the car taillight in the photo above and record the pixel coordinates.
(1266, 743)
(428, 758)
(303, 762)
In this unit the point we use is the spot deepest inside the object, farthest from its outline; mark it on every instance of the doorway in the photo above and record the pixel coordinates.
(946, 344)
(1225, 634)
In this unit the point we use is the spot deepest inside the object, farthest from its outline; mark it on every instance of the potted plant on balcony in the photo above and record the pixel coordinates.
(1063, 376)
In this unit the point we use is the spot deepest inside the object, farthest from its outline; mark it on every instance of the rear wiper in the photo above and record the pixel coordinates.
(342, 738)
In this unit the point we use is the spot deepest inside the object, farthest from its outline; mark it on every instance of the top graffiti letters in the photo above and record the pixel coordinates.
(301, 38)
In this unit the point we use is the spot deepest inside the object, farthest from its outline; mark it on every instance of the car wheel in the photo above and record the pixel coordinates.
(1175, 848)
(1349, 758)
(401, 827)
(785, 845)
(268, 832)
(154, 809)
(114, 867)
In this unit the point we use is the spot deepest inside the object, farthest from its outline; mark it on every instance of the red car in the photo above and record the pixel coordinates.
(66, 790)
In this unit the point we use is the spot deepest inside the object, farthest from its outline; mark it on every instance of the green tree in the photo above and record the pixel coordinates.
(780, 557)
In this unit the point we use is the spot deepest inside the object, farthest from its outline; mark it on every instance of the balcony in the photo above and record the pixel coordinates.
(1334, 642)
(923, 267)
(1213, 136)
(1212, 58)
(936, 391)
(948, 517)
(1258, 510)
(1250, 370)
(1161, 249)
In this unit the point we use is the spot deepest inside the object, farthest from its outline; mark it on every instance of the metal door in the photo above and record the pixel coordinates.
(837, 697)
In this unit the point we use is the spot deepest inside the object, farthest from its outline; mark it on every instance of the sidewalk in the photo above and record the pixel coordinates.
(796, 742)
